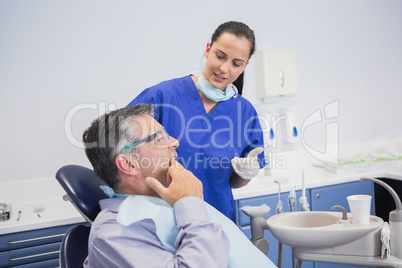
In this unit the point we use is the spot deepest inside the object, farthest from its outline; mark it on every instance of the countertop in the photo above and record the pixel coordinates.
(288, 168)
(313, 177)
(28, 196)
(47, 195)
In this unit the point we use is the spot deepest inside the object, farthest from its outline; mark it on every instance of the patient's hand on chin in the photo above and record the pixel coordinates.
(183, 183)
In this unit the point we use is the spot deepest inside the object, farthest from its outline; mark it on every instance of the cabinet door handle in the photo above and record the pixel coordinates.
(33, 256)
(318, 196)
(34, 239)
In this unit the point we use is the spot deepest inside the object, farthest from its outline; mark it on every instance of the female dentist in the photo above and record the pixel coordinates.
(219, 131)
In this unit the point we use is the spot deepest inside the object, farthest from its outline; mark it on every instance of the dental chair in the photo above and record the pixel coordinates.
(82, 187)
(74, 246)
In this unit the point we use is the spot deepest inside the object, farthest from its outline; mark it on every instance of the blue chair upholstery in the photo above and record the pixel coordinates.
(74, 247)
(82, 187)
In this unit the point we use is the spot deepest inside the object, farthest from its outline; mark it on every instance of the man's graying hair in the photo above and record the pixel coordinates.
(107, 135)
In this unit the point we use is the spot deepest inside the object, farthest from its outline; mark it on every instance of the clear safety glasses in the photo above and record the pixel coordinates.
(160, 136)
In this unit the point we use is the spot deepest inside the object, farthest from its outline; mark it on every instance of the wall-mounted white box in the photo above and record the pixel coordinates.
(275, 73)
(269, 123)
(290, 130)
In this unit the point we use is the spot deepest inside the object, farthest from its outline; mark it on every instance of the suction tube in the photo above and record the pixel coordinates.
(389, 189)
(395, 219)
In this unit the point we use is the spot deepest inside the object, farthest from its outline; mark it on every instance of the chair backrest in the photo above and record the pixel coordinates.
(82, 187)
(74, 247)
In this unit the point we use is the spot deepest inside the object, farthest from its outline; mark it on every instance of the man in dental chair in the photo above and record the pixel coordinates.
(156, 216)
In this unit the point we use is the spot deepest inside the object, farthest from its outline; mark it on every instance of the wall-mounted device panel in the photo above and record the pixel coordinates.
(276, 73)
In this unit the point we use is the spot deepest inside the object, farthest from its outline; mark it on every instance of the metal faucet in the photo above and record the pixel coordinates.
(344, 213)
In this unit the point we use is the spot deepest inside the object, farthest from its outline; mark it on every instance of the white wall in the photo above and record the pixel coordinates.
(55, 55)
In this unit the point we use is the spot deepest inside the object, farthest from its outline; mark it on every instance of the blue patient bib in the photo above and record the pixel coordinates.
(138, 207)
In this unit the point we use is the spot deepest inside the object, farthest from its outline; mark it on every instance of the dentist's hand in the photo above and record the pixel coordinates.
(182, 183)
(247, 167)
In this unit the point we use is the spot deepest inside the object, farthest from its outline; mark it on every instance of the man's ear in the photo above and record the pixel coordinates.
(126, 164)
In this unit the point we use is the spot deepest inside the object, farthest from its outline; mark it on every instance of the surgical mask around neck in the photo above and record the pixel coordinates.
(215, 94)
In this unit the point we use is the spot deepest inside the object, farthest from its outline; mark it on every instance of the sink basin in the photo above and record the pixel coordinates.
(324, 231)
(308, 220)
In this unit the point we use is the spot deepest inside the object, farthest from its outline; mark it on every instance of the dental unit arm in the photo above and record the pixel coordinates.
(395, 219)
(392, 236)
(258, 224)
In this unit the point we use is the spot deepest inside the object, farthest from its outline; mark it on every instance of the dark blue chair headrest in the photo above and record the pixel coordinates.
(82, 186)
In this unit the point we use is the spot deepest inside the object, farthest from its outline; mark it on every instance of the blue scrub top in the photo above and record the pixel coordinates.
(208, 142)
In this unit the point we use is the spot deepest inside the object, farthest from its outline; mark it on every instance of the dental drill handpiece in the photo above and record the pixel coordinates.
(292, 200)
(304, 206)
(279, 206)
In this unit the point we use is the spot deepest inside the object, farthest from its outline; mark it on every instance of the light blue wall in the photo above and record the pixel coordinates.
(57, 55)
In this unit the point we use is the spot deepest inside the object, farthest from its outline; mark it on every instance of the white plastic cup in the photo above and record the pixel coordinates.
(360, 208)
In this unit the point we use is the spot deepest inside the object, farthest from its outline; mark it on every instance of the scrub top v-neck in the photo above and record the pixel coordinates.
(208, 142)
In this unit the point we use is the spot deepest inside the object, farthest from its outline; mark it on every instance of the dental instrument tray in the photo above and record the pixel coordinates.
(5, 211)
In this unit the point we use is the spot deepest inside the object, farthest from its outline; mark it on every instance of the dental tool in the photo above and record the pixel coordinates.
(279, 210)
(292, 207)
(395, 219)
(279, 206)
(5, 211)
(292, 199)
(304, 206)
